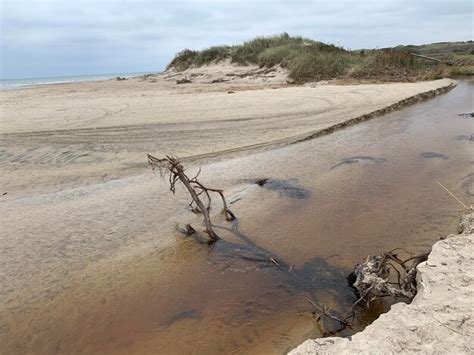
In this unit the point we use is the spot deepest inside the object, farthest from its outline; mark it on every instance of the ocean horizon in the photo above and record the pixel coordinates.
(23, 82)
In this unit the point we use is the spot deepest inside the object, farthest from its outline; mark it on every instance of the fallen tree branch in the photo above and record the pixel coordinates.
(175, 169)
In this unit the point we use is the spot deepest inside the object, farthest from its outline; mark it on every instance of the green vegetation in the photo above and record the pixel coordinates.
(213, 54)
(388, 65)
(309, 60)
(459, 54)
(277, 49)
(319, 66)
(439, 49)
(278, 55)
(306, 59)
(183, 60)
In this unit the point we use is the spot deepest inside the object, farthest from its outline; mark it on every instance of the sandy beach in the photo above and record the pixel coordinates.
(225, 177)
(89, 248)
(67, 135)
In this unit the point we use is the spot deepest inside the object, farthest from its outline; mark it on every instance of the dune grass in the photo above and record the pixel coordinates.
(309, 60)
(273, 50)
(318, 66)
(260, 50)
(183, 60)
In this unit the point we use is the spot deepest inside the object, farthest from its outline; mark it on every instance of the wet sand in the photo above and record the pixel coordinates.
(101, 268)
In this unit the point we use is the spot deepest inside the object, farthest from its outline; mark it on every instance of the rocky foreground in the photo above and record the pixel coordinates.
(440, 320)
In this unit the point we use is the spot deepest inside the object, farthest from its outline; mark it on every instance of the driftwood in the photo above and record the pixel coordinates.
(386, 275)
(183, 81)
(321, 311)
(219, 80)
(380, 276)
(431, 59)
(173, 167)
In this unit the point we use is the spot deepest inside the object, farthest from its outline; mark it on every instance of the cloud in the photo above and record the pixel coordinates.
(57, 37)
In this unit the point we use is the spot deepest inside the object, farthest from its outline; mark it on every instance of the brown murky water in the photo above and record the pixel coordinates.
(101, 269)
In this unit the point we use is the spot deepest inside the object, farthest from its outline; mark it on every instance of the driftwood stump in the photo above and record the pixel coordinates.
(386, 275)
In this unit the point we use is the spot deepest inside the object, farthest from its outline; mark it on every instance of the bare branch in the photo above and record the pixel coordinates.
(175, 169)
(372, 279)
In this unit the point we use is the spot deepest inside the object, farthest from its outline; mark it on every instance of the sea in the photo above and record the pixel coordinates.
(18, 83)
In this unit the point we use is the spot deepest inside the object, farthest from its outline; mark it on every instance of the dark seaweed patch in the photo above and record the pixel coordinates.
(285, 188)
(433, 155)
(359, 159)
(191, 314)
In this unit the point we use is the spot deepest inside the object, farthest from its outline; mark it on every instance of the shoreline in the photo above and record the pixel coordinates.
(432, 322)
(25, 83)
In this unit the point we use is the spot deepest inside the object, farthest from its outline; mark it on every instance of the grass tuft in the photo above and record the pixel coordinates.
(318, 66)
(183, 60)
(210, 55)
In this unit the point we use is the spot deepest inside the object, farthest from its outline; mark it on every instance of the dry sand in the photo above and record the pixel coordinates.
(66, 135)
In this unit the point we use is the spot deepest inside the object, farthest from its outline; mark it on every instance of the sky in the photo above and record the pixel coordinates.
(44, 38)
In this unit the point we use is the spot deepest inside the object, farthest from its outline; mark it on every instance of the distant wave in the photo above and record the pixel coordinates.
(17, 83)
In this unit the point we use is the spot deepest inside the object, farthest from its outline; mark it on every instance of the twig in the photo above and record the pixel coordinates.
(449, 192)
(325, 312)
(448, 327)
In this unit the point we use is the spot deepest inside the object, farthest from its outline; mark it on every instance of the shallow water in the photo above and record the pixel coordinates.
(102, 269)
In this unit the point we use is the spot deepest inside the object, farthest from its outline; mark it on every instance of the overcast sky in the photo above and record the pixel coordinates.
(72, 37)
